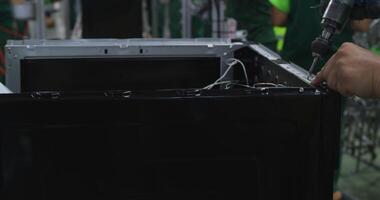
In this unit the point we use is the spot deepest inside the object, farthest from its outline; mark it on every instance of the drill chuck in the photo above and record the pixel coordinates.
(334, 18)
(321, 45)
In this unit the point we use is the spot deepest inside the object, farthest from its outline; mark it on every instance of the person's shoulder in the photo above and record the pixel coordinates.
(282, 5)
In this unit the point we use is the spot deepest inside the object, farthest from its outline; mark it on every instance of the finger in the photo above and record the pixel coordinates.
(326, 70)
(317, 80)
(340, 85)
(323, 74)
(332, 78)
(329, 73)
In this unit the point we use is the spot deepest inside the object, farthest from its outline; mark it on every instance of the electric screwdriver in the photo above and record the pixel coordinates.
(335, 15)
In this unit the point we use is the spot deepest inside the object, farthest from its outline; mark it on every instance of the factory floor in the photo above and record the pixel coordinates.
(361, 185)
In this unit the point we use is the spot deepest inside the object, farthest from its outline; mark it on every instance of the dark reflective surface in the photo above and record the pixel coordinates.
(161, 146)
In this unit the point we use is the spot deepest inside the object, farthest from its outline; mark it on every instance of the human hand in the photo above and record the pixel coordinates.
(352, 71)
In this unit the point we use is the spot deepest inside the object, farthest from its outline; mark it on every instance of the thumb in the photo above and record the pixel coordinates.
(317, 80)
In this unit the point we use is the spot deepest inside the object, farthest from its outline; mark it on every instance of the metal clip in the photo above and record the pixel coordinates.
(46, 95)
(189, 93)
(118, 94)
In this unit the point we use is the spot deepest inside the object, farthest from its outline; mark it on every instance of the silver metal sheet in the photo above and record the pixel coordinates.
(298, 71)
(4, 90)
(269, 54)
(112, 48)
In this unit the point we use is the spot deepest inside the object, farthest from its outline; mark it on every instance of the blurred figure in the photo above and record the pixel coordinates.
(9, 29)
(255, 17)
(170, 19)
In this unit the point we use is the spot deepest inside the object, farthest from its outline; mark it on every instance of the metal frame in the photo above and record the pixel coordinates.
(300, 103)
(40, 20)
(111, 48)
(277, 67)
(361, 132)
(187, 13)
(218, 18)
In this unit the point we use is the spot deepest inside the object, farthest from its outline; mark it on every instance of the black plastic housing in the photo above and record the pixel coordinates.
(241, 144)
(263, 143)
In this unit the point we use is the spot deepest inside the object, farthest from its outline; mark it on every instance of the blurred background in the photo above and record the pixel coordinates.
(280, 25)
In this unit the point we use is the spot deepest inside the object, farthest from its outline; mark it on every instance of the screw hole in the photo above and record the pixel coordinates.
(141, 51)
(105, 51)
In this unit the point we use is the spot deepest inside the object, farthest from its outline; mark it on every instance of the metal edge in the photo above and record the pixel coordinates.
(17, 50)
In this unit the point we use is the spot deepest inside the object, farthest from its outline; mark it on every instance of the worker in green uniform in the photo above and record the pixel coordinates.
(302, 19)
(255, 17)
(9, 29)
(5, 22)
